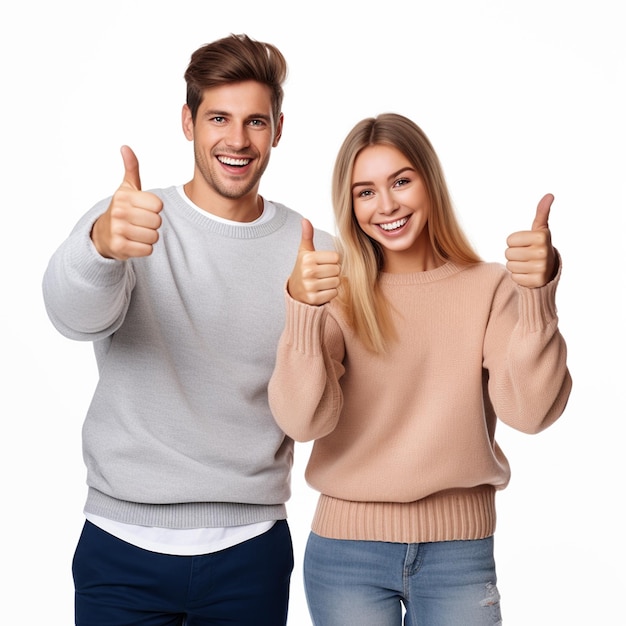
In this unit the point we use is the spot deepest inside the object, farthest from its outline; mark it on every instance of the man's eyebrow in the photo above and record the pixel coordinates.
(218, 112)
(261, 116)
(252, 116)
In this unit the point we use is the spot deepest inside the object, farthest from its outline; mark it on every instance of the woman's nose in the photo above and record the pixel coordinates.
(388, 204)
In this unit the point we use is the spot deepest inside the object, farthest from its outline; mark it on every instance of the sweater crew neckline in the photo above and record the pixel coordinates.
(418, 278)
(231, 230)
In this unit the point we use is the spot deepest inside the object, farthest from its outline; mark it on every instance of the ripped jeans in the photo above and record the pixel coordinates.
(373, 583)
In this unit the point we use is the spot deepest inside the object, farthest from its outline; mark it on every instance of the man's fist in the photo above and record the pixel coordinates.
(129, 227)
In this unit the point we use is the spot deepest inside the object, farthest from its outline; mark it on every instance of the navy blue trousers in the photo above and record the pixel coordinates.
(118, 584)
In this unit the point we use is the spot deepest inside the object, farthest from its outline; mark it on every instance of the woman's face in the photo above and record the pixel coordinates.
(391, 206)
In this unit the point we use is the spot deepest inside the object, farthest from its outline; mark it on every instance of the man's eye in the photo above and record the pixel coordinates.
(218, 119)
(256, 122)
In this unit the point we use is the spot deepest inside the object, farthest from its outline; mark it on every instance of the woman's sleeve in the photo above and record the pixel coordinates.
(525, 356)
(304, 391)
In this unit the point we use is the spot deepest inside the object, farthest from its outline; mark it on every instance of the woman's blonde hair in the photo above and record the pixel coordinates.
(362, 258)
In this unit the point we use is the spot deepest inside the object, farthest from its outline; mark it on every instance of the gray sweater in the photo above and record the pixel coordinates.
(179, 433)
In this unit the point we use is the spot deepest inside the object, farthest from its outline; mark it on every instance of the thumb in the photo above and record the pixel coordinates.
(131, 168)
(543, 212)
(306, 243)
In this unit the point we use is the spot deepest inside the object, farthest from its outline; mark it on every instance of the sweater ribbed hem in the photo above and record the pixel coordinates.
(183, 515)
(456, 514)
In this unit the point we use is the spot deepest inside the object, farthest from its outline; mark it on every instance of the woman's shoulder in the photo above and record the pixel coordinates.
(487, 268)
(484, 274)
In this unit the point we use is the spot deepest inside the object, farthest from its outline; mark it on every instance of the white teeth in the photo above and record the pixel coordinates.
(394, 225)
(229, 161)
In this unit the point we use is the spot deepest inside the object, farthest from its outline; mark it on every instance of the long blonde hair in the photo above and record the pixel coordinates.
(362, 258)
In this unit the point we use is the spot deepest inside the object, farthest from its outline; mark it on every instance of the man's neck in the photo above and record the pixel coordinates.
(245, 209)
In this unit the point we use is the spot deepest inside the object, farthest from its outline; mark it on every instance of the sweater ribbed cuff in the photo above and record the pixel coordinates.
(304, 324)
(538, 306)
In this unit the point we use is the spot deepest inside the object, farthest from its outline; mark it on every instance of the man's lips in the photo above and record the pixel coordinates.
(234, 161)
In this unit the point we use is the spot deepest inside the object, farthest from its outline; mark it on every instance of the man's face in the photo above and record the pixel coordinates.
(233, 136)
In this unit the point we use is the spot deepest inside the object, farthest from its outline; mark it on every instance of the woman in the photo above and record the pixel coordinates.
(398, 362)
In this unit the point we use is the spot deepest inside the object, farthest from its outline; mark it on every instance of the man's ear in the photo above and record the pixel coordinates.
(279, 131)
(187, 122)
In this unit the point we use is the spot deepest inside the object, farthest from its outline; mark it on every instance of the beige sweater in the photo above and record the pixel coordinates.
(405, 444)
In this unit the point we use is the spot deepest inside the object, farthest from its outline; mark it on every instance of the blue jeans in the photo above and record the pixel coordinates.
(118, 584)
(367, 583)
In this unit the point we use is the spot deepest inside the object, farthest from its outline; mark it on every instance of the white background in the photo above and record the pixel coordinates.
(519, 99)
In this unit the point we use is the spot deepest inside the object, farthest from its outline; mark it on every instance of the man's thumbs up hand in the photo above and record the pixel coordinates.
(531, 258)
(129, 226)
(315, 276)
(132, 179)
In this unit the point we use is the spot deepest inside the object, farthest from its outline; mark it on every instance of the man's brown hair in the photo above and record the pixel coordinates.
(235, 59)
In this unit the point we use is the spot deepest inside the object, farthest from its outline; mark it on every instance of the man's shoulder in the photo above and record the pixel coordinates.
(322, 238)
(289, 212)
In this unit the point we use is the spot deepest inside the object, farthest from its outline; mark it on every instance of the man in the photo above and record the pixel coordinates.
(181, 292)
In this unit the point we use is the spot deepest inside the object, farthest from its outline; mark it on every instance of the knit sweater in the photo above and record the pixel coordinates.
(179, 433)
(405, 445)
